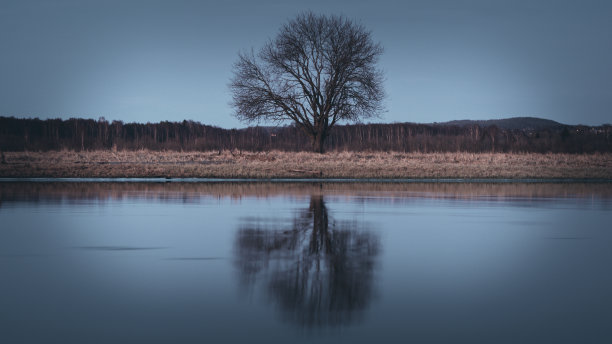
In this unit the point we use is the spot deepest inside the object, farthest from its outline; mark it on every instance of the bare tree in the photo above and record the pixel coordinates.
(318, 71)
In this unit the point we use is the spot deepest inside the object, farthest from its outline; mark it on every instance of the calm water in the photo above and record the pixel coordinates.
(287, 263)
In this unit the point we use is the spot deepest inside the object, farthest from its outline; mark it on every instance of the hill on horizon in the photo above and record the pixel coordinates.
(513, 123)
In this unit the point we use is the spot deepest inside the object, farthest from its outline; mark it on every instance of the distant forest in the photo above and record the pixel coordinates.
(514, 135)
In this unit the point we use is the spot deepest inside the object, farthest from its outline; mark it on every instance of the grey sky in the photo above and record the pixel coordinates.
(171, 60)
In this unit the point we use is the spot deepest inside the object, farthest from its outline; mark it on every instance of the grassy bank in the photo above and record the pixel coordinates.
(226, 164)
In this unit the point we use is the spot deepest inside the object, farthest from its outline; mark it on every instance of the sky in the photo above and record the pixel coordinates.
(150, 61)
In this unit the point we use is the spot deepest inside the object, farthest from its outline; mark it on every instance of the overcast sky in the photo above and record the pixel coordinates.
(149, 61)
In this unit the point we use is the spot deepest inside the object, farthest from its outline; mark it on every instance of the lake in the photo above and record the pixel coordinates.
(238, 262)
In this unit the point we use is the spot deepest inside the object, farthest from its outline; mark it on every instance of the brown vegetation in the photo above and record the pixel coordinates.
(276, 164)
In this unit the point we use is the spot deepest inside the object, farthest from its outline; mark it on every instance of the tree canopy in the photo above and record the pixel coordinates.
(319, 70)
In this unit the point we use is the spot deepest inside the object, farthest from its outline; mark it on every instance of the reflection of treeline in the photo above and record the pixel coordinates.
(87, 134)
(385, 192)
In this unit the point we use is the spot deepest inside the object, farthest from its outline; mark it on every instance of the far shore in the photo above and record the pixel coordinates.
(296, 165)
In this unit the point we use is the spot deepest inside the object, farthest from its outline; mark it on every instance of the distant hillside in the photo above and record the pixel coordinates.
(514, 123)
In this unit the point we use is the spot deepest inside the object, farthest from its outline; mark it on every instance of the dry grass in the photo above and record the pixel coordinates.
(275, 164)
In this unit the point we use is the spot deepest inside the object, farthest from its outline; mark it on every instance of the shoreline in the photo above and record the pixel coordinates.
(297, 166)
(364, 191)
(306, 180)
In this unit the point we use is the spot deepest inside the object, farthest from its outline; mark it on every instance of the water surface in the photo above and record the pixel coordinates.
(305, 262)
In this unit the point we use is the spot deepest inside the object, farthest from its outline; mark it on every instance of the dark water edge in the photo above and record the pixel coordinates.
(307, 262)
(49, 189)
(307, 180)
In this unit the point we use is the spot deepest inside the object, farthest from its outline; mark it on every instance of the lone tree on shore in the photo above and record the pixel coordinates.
(319, 70)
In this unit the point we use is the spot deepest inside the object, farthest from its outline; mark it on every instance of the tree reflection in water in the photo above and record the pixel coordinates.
(318, 271)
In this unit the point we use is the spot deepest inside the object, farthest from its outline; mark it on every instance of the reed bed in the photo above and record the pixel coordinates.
(277, 164)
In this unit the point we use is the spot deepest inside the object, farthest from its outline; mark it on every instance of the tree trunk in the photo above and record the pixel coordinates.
(317, 143)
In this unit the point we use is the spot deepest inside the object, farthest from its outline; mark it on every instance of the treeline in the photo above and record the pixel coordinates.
(18, 134)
